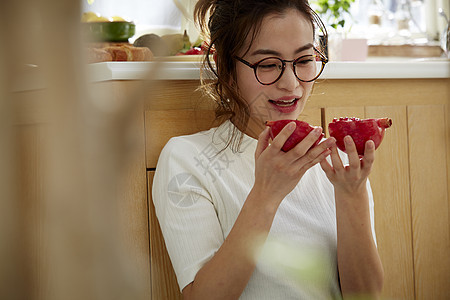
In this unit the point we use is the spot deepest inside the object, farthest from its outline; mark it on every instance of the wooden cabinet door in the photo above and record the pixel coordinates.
(390, 185)
(427, 133)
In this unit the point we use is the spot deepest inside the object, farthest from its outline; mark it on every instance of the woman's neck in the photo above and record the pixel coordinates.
(253, 128)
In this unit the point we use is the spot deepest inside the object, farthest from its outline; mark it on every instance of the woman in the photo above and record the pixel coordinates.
(220, 193)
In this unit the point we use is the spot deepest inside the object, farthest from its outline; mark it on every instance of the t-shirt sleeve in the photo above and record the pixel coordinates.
(372, 211)
(185, 210)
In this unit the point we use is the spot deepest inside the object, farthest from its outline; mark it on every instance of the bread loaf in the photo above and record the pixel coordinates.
(117, 52)
(95, 55)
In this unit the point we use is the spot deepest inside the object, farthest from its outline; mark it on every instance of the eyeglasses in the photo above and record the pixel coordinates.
(270, 69)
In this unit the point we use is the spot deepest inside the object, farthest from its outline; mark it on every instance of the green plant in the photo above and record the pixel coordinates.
(333, 11)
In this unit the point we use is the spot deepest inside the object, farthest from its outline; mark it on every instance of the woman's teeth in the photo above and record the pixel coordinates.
(284, 102)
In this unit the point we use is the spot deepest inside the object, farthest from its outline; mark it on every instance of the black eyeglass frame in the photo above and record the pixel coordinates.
(254, 66)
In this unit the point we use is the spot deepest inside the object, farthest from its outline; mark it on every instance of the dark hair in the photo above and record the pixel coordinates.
(230, 23)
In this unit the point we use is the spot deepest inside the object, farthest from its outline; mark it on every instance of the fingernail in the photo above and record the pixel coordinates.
(347, 139)
(291, 125)
(370, 144)
(317, 130)
(331, 141)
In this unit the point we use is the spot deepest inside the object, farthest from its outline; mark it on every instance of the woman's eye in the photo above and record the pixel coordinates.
(306, 60)
(269, 66)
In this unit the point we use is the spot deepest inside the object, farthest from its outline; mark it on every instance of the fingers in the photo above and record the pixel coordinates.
(326, 167)
(263, 142)
(368, 159)
(284, 134)
(304, 155)
(320, 149)
(357, 168)
(316, 154)
(316, 159)
(336, 159)
(305, 145)
(353, 156)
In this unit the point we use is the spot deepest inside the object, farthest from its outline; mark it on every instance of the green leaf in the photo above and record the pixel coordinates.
(333, 11)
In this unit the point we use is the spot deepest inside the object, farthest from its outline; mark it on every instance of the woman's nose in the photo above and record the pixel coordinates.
(288, 80)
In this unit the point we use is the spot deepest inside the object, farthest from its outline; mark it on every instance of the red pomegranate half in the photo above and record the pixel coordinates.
(361, 130)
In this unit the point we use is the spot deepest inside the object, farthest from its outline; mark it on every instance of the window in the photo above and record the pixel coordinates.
(419, 19)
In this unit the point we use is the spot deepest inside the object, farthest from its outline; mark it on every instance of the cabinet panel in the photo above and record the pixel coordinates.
(160, 126)
(383, 92)
(390, 185)
(177, 94)
(164, 282)
(133, 216)
(429, 200)
(311, 115)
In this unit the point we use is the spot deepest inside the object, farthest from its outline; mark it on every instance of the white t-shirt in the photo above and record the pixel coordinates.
(198, 192)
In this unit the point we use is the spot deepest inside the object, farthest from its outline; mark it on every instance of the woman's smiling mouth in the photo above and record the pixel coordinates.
(284, 102)
(285, 105)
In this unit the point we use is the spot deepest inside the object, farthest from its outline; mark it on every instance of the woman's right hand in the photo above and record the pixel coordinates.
(278, 172)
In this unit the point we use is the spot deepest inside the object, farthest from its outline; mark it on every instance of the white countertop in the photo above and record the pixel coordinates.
(374, 68)
(185, 70)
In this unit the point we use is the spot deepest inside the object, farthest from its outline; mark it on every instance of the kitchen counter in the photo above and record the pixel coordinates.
(373, 68)
(189, 70)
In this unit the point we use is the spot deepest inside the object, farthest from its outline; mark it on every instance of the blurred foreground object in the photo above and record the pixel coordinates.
(69, 198)
(300, 263)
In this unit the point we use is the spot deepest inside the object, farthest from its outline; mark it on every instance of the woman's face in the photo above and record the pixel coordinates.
(287, 36)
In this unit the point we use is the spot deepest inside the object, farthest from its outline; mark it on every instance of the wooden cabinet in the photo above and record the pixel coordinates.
(410, 178)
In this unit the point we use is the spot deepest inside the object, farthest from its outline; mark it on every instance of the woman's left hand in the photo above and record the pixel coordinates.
(350, 179)
(359, 265)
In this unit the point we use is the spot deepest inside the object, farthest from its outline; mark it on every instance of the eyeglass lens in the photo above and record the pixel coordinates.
(270, 69)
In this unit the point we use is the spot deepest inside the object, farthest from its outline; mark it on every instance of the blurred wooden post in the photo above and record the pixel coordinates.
(14, 277)
(63, 210)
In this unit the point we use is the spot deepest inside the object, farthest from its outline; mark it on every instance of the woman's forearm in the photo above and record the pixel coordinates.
(226, 275)
(360, 268)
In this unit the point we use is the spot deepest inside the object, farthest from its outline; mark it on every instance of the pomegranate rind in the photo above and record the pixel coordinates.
(384, 122)
(302, 129)
(361, 130)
